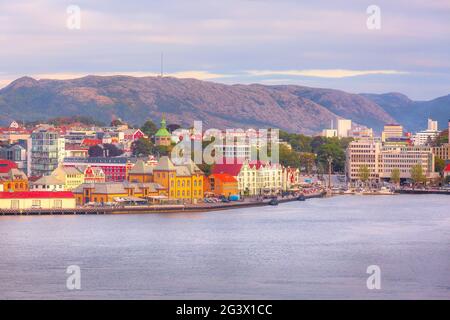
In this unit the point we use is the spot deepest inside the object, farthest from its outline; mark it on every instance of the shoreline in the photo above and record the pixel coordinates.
(158, 209)
(153, 209)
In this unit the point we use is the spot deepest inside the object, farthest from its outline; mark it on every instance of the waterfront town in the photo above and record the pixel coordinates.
(67, 164)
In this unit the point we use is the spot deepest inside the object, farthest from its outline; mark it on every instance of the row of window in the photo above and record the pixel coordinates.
(187, 183)
(185, 193)
(16, 186)
(57, 204)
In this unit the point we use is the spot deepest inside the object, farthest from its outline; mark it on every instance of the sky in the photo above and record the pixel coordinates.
(312, 43)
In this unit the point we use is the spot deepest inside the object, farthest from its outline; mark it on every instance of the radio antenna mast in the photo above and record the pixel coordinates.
(162, 64)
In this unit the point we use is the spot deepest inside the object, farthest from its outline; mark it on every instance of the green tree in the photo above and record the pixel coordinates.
(317, 142)
(344, 142)
(447, 180)
(439, 164)
(142, 147)
(364, 173)
(288, 158)
(206, 168)
(105, 150)
(149, 128)
(395, 176)
(441, 139)
(335, 152)
(116, 123)
(163, 150)
(417, 175)
(307, 161)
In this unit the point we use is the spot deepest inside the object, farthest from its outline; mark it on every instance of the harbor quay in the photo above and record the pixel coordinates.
(143, 209)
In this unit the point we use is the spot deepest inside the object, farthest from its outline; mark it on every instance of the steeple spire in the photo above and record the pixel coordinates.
(163, 121)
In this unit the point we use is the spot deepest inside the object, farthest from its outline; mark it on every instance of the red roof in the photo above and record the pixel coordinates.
(233, 166)
(447, 168)
(224, 177)
(37, 195)
(231, 169)
(91, 142)
(6, 165)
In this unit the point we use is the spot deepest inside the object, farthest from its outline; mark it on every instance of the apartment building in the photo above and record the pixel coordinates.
(47, 152)
(391, 131)
(381, 159)
(404, 158)
(364, 152)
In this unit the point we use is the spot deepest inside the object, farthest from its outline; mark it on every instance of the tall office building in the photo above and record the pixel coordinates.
(432, 125)
(343, 127)
(47, 151)
(391, 131)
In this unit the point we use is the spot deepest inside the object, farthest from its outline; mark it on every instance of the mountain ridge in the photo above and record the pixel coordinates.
(292, 108)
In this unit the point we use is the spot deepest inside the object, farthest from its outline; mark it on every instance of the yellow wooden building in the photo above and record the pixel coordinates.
(112, 191)
(72, 177)
(141, 172)
(184, 182)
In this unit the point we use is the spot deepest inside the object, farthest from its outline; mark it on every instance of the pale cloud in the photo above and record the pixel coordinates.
(324, 73)
(323, 42)
(200, 75)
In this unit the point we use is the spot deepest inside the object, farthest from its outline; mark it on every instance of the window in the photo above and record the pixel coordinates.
(14, 204)
(57, 204)
(36, 203)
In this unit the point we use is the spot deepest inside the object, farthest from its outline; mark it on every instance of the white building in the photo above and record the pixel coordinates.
(382, 159)
(343, 127)
(432, 125)
(329, 133)
(48, 183)
(258, 178)
(425, 137)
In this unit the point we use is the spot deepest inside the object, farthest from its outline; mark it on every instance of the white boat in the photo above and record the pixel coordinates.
(385, 191)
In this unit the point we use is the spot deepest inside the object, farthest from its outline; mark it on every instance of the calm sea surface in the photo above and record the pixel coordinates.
(320, 248)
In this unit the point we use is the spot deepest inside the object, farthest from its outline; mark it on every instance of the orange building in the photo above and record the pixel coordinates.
(11, 178)
(221, 184)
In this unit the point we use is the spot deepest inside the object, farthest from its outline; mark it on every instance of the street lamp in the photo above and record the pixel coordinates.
(330, 161)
